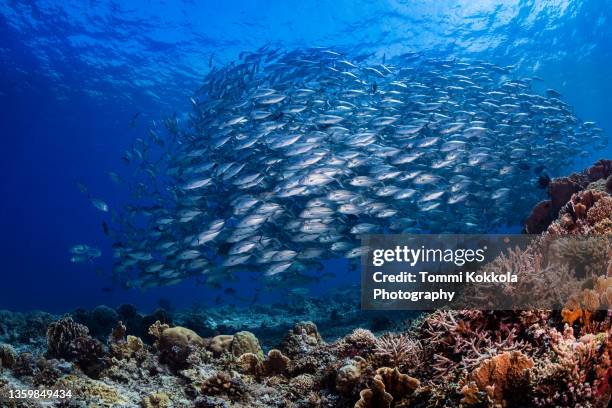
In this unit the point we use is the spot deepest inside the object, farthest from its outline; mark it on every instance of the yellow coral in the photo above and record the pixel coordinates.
(179, 337)
(221, 344)
(156, 400)
(157, 328)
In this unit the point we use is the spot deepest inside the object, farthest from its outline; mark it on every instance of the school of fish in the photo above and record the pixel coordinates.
(288, 157)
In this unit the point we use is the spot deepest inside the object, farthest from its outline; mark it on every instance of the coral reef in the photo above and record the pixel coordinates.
(561, 190)
(470, 358)
(71, 341)
(303, 338)
(477, 358)
(502, 376)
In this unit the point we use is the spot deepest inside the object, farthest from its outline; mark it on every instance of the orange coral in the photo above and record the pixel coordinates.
(388, 385)
(470, 394)
(375, 396)
(581, 307)
(399, 385)
(501, 375)
(600, 211)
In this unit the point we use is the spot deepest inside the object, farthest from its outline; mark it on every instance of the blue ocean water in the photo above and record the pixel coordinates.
(80, 79)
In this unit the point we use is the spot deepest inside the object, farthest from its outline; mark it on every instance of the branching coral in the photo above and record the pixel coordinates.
(463, 339)
(223, 384)
(71, 341)
(399, 350)
(574, 371)
(61, 335)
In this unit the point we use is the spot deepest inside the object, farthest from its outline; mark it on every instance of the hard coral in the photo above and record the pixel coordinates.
(360, 342)
(180, 337)
(177, 345)
(573, 371)
(388, 385)
(302, 384)
(132, 347)
(303, 338)
(574, 217)
(157, 328)
(350, 375)
(25, 365)
(503, 376)
(71, 341)
(47, 374)
(61, 335)
(224, 384)
(582, 307)
(156, 400)
(221, 344)
(600, 211)
(375, 396)
(89, 354)
(7, 356)
(275, 364)
(560, 190)
(397, 384)
(399, 350)
(245, 342)
(97, 393)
